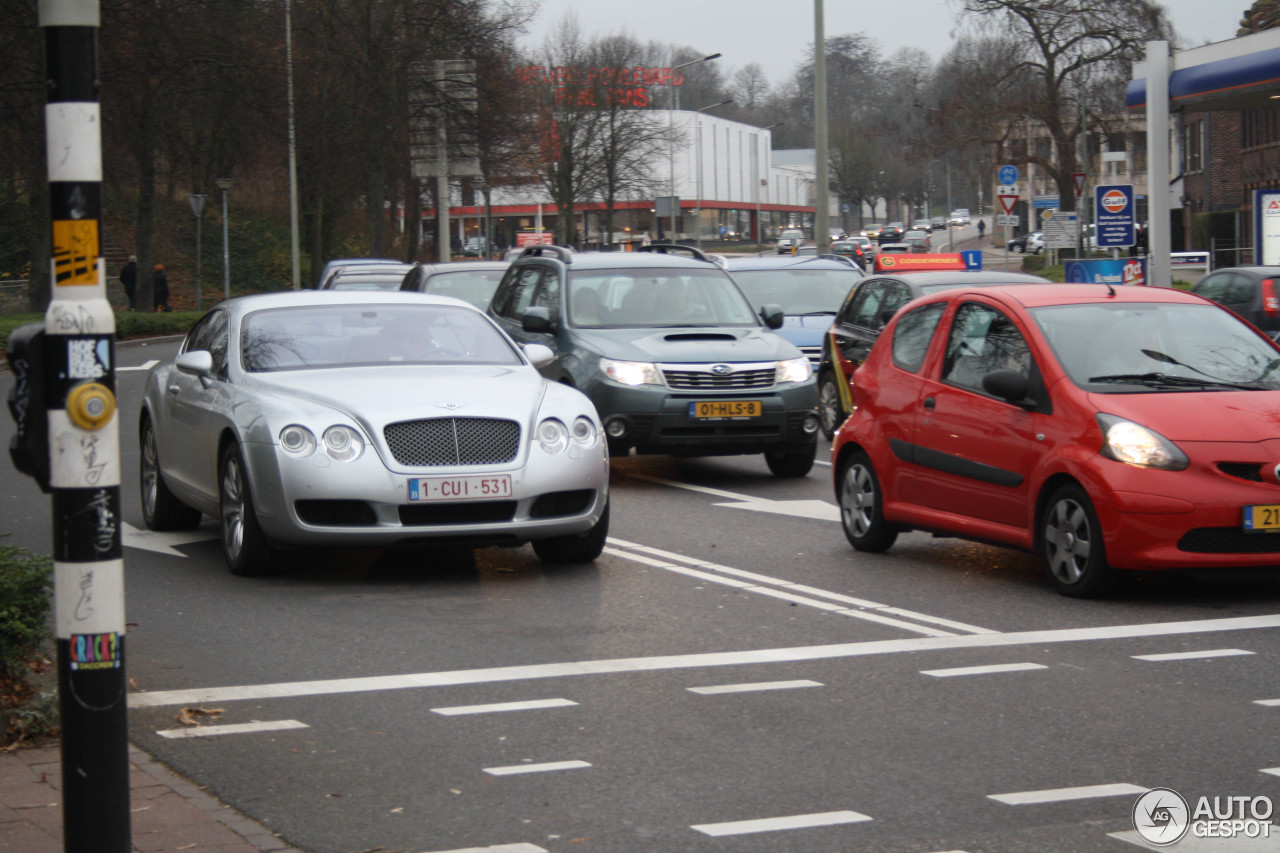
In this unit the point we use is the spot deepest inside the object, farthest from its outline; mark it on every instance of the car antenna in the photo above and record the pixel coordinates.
(1111, 291)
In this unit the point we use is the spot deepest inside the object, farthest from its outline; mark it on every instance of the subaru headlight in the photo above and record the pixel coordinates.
(553, 436)
(343, 443)
(584, 432)
(297, 440)
(631, 372)
(1133, 444)
(794, 370)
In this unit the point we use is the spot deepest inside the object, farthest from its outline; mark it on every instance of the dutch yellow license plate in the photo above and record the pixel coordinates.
(711, 410)
(1262, 518)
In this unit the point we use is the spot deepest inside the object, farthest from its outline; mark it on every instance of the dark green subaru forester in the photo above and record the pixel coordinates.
(668, 348)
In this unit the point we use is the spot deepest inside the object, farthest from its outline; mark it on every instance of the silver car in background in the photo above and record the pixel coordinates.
(380, 419)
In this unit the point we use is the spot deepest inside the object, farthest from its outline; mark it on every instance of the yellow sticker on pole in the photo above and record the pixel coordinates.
(75, 251)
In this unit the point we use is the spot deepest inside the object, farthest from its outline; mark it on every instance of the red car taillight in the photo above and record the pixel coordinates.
(1270, 301)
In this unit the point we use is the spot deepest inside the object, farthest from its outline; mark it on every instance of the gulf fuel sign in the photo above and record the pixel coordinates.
(1113, 213)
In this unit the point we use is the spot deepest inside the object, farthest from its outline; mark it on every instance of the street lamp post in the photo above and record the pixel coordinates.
(760, 181)
(294, 251)
(224, 184)
(479, 183)
(697, 224)
(671, 135)
(197, 208)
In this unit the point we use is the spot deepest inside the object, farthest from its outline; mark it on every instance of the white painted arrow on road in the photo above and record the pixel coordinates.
(164, 543)
(814, 509)
(817, 510)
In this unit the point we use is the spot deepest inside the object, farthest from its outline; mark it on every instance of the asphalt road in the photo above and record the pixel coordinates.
(729, 676)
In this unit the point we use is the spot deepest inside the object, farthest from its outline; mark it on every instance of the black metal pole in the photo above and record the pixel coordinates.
(84, 448)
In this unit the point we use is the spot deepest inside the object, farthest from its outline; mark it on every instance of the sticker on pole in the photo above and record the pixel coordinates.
(75, 251)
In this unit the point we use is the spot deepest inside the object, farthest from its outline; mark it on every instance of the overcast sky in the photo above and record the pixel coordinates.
(775, 34)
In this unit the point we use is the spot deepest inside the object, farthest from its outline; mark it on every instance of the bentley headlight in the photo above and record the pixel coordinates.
(631, 372)
(794, 370)
(297, 440)
(342, 443)
(584, 431)
(553, 436)
(1133, 444)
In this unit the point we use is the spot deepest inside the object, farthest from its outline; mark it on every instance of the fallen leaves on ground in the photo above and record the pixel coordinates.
(190, 717)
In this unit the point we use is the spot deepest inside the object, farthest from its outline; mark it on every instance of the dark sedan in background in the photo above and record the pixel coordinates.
(865, 313)
(1251, 292)
(810, 291)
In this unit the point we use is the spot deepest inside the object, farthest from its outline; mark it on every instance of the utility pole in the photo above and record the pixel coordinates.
(821, 220)
(68, 439)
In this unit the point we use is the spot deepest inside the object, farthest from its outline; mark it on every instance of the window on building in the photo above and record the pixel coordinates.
(1259, 127)
(1193, 146)
(1138, 150)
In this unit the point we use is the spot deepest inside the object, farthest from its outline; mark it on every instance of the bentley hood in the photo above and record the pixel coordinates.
(386, 394)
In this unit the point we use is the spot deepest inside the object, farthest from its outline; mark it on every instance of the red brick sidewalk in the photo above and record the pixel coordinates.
(168, 812)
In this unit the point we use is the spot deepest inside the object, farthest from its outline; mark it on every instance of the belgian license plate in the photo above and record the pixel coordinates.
(1262, 518)
(725, 409)
(460, 488)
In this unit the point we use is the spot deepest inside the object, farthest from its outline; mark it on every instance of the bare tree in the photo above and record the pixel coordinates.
(630, 138)
(24, 208)
(1059, 50)
(750, 87)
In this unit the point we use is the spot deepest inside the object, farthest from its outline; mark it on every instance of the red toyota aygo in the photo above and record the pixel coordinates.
(1104, 427)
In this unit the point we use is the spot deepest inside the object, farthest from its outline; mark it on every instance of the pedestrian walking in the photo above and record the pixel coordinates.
(160, 289)
(129, 278)
(982, 228)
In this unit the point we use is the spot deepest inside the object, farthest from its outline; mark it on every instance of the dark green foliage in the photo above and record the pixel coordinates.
(26, 589)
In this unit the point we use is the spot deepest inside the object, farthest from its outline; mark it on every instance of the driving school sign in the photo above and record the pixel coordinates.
(1113, 213)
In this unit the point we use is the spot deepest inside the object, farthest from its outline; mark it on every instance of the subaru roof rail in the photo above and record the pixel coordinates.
(561, 253)
(676, 249)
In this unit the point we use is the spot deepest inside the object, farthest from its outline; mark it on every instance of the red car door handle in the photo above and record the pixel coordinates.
(928, 402)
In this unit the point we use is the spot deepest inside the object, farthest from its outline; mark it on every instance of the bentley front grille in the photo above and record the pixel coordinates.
(453, 441)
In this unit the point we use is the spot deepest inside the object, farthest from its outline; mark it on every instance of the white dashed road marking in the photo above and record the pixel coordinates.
(774, 824)
(498, 848)
(982, 670)
(549, 767)
(1215, 653)
(500, 707)
(1060, 795)
(233, 729)
(749, 688)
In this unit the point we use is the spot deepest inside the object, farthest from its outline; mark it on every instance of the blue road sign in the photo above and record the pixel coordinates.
(1113, 212)
(1008, 175)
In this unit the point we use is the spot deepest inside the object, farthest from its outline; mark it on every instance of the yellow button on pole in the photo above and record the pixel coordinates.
(90, 406)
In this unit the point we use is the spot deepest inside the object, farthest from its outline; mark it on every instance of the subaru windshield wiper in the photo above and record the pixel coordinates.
(1165, 380)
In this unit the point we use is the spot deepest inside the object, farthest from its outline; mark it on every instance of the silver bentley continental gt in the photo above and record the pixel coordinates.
(355, 418)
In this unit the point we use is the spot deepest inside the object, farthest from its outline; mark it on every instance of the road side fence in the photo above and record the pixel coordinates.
(1226, 252)
(14, 298)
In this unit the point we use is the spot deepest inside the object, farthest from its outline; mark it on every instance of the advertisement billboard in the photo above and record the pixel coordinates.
(1266, 225)
(1110, 271)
